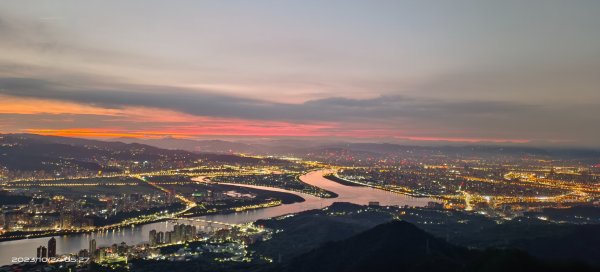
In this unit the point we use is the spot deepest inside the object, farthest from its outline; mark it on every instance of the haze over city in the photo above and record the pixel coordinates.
(388, 71)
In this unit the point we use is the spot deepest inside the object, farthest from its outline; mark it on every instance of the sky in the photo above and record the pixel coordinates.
(505, 72)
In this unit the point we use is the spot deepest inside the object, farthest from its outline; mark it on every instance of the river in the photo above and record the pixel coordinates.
(72, 243)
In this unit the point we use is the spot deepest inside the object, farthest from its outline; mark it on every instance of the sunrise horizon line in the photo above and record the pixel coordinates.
(400, 141)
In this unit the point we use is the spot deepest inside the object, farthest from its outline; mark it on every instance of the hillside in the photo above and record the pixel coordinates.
(401, 246)
(37, 156)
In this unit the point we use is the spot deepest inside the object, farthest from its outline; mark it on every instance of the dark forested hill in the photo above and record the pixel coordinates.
(401, 246)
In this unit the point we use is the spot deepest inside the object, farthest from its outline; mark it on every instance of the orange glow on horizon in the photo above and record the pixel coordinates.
(189, 133)
(186, 132)
(88, 133)
(152, 123)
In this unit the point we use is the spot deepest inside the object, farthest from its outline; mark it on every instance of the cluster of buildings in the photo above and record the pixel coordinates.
(47, 252)
(63, 213)
(493, 187)
(212, 197)
(180, 233)
(19, 220)
(101, 253)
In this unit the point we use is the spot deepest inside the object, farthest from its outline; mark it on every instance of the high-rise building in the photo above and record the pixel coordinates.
(92, 249)
(190, 232)
(168, 237)
(152, 238)
(52, 247)
(83, 253)
(66, 220)
(178, 232)
(42, 252)
(160, 237)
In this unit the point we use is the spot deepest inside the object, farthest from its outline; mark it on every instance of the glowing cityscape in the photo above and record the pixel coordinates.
(299, 136)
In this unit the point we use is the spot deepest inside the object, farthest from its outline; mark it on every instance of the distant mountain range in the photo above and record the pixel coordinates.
(306, 147)
(258, 147)
(210, 146)
(31, 153)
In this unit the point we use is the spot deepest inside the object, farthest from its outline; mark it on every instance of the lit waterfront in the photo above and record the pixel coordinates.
(138, 234)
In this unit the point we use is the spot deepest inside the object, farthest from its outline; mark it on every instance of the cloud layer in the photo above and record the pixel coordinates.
(511, 71)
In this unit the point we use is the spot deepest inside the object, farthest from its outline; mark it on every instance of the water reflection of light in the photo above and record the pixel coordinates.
(138, 234)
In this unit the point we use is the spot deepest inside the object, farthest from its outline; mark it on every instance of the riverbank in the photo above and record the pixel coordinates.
(281, 198)
(335, 178)
(41, 234)
(74, 242)
(342, 181)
